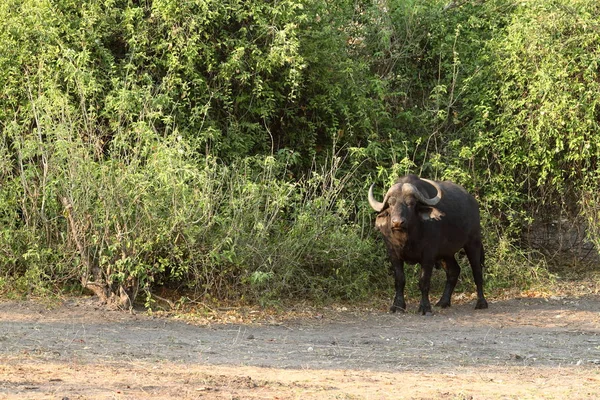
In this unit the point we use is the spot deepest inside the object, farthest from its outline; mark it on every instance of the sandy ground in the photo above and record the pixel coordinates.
(517, 349)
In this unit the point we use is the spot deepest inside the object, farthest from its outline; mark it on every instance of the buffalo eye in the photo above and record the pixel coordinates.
(384, 214)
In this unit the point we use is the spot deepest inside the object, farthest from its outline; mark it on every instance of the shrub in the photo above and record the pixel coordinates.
(190, 142)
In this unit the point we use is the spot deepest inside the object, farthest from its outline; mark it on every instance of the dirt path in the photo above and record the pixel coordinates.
(522, 348)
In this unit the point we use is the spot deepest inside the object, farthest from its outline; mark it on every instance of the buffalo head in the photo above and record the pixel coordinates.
(404, 204)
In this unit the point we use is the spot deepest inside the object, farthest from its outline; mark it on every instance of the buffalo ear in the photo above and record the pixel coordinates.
(429, 213)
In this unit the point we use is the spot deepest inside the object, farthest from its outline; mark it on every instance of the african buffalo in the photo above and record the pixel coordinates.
(428, 222)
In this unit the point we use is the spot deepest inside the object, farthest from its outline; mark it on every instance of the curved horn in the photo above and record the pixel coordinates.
(433, 201)
(375, 205)
(409, 188)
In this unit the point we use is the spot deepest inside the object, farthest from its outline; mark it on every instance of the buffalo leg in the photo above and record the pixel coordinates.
(475, 255)
(452, 274)
(424, 283)
(399, 282)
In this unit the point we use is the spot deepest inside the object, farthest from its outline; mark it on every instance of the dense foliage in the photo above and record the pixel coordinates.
(226, 146)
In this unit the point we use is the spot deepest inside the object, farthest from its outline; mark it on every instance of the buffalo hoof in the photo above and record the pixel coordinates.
(442, 304)
(425, 310)
(481, 304)
(395, 308)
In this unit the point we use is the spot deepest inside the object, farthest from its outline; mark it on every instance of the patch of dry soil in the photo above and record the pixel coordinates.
(520, 348)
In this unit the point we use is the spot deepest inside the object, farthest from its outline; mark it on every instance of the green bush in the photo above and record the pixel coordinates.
(154, 213)
(199, 144)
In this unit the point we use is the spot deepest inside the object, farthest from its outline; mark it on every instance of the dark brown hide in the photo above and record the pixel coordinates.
(428, 222)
